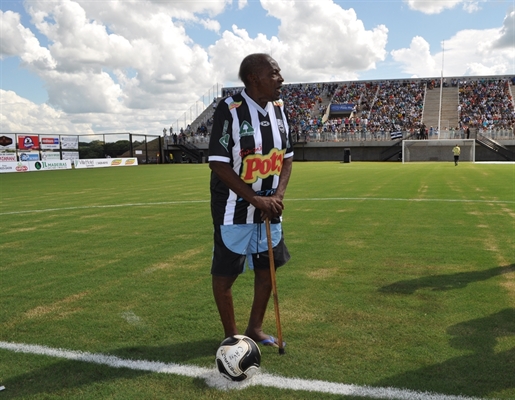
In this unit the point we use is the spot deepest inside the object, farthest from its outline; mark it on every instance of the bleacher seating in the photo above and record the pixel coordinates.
(382, 107)
(486, 104)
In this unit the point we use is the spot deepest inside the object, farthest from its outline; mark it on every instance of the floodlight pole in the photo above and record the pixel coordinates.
(441, 92)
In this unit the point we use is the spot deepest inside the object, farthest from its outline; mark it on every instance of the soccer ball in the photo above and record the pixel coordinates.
(238, 358)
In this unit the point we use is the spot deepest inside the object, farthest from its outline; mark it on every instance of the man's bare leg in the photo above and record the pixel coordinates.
(262, 291)
(223, 297)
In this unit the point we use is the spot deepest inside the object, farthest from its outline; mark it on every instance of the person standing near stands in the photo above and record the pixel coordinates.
(422, 132)
(456, 151)
(250, 156)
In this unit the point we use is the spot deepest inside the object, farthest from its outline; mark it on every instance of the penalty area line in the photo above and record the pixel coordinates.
(215, 380)
(165, 203)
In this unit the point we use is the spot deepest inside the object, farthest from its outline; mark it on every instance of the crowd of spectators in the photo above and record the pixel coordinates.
(398, 106)
(381, 109)
(486, 104)
(304, 105)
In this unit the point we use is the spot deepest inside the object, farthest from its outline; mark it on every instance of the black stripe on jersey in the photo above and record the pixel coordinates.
(268, 145)
(247, 145)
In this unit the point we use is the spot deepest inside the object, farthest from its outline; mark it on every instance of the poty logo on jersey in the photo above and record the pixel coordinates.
(261, 166)
(246, 129)
(234, 104)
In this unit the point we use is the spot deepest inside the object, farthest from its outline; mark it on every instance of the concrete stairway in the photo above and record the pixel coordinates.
(450, 102)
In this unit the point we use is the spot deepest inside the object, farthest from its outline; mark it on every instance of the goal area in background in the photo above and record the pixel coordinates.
(437, 150)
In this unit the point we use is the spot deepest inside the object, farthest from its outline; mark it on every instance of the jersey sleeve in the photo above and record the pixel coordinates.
(289, 141)
(220, 142)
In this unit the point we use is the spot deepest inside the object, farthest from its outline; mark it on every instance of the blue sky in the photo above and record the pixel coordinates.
(137, 66)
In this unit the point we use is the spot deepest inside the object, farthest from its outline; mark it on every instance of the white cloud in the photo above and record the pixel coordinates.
(21, 115)
(316, 41)
(13, 34)
(94, 56)
(20, 41)
(438, 6)
(211, 25)
(507, 33)
(322, 39)
(417, 60)
(469, 52)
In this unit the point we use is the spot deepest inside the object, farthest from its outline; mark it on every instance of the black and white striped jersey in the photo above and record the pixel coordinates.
(254, 141)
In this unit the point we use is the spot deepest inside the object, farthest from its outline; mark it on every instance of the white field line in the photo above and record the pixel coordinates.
(214, 379)
(160, 203)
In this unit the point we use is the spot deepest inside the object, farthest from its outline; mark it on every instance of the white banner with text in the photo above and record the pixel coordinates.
(14, 167)
(49, 165)
(106, 162)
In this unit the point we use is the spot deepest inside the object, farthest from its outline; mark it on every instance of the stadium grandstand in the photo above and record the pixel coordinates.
(370, 119)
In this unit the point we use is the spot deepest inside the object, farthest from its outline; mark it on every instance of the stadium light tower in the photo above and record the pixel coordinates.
(441, 92)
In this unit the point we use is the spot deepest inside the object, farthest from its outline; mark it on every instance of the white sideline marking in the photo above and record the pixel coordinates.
(214, 379)
(310, 199)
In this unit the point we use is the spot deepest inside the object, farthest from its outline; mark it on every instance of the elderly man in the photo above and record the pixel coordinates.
(250, 156)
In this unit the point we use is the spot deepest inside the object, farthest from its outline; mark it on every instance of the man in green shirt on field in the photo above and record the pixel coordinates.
(456, 151)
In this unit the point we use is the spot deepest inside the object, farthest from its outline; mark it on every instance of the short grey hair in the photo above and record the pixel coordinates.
(251, 64)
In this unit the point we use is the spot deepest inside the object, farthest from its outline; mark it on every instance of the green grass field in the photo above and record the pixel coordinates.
(401, 276)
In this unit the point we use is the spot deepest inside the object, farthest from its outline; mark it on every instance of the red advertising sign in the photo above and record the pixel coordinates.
(28, 142)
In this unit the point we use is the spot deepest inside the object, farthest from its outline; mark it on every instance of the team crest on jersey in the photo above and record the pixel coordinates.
(234, 104)
(280, 124)
(224, 140)
(261, 166)
(246, 129)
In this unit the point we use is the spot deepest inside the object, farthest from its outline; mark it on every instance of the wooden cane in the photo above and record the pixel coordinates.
(274, 286)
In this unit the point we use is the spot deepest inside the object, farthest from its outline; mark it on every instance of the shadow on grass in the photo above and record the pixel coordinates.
(481, 373)
(445, 282)
(63, 375)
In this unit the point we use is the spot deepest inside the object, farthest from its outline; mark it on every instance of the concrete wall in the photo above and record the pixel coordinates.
(360, 151)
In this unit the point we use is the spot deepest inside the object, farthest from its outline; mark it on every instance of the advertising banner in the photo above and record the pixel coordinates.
(70, 155)
(7, 142)
(50, 155)
(341, 108)
(92, 163)
(70, 142)
(29, 156)
(49, 142)
(28, 142)
(14, 167)
(8, 157)
(49, 165)
(106, 162)
(124, 162)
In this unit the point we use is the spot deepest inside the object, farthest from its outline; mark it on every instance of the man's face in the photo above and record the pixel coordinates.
(269, 81)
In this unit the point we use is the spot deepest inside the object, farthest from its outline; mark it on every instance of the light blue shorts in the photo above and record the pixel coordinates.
(235, 244)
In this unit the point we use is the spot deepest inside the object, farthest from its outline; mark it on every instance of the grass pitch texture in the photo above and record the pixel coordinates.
(402, 276)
